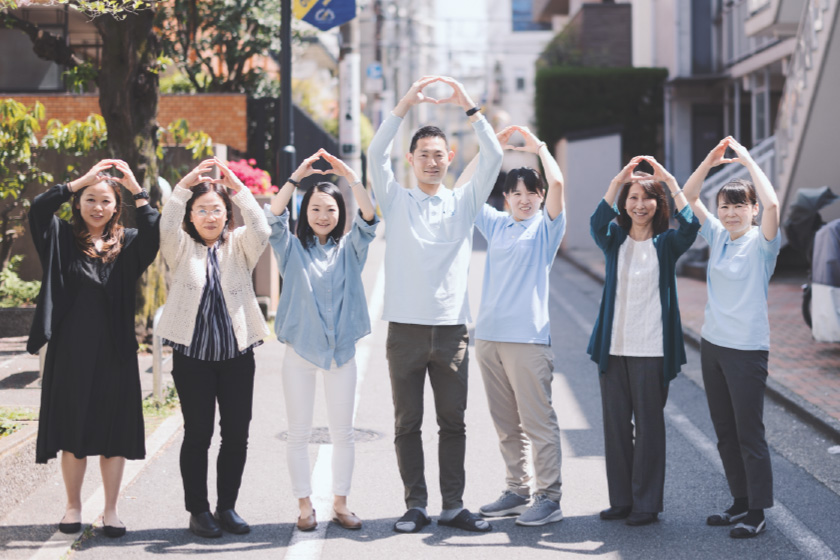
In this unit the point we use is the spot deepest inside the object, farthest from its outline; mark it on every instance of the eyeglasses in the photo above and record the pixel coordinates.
(216, 212)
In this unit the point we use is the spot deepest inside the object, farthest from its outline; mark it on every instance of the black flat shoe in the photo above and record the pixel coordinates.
(203, 525)
(113, 532)
(70, 528)
(232, 523)
(616, 512)
(638, 518)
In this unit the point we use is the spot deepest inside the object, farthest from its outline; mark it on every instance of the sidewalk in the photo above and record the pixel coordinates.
(804, 374)
(20, 390)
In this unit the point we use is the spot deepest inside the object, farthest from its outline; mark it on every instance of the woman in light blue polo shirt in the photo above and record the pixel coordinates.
(513, 344)
(321, 314)
(637, 340)
(736, 331)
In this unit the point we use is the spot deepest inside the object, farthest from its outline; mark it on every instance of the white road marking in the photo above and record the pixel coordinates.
(804, 539)
(310, 545)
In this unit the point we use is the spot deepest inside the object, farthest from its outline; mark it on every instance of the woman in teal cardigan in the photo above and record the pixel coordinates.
(637, 340)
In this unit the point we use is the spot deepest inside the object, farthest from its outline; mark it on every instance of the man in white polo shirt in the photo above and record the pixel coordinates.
(428, 233)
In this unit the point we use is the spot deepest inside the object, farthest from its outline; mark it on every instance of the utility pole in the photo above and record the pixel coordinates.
(285, 149)
(349, 134)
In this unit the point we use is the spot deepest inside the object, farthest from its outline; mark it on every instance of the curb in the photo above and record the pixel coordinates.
(789, 400)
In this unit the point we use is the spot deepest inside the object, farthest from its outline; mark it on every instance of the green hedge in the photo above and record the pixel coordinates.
(574, 98)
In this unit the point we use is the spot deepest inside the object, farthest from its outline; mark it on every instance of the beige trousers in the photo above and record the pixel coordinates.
(517, 378)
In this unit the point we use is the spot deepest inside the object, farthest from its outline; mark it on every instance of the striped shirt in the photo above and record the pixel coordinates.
(213, 339)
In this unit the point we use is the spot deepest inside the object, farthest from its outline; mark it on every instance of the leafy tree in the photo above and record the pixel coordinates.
(214, 42)
(22, 157)
(126, 75)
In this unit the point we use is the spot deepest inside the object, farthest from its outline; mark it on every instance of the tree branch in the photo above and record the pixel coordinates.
(46, 45)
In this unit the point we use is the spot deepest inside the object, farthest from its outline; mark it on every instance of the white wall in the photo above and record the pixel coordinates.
(588, 166)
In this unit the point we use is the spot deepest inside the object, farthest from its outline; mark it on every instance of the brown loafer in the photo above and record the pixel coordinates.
(307, 524)
(347, 520)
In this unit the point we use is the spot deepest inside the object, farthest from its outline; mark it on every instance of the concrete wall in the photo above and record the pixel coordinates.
(817, 164)
(588, 166)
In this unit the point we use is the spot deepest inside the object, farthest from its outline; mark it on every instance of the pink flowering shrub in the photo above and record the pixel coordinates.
(257, 180)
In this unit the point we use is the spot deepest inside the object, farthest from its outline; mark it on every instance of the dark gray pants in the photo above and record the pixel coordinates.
(442, 351)
(632, 393)
(735, 381)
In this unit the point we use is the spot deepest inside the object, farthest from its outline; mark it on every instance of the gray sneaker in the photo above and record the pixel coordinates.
(509, 503)
(543, 510)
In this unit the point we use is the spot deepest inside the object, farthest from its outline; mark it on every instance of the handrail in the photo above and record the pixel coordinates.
(763, 153)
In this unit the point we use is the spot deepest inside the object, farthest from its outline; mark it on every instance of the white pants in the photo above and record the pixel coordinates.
(340, 392)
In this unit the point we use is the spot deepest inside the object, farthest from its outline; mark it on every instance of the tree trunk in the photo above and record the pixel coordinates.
(129, 93)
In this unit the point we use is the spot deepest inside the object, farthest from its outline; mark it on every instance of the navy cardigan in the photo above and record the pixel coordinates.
(669, 245)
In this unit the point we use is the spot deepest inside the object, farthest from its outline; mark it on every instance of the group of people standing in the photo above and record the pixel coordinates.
(91, 399)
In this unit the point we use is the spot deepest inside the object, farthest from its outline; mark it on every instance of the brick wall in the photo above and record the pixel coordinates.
(222, 116)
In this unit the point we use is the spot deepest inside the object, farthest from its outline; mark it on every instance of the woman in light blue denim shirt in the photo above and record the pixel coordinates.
(321, 315)
(736, 331)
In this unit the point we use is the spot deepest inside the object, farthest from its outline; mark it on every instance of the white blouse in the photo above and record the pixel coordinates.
(637, 321)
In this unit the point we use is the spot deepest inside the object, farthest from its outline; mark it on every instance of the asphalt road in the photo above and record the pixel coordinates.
(802, 525)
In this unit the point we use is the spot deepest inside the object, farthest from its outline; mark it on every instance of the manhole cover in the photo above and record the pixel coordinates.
(322, 435)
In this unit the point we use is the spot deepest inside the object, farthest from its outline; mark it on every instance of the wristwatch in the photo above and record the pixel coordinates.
(473, 111)
(142, 194)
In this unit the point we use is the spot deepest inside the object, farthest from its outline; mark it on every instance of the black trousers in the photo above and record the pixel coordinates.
(200, 385)
(735, 381)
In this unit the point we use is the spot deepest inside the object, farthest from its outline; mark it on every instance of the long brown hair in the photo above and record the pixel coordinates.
(653, 189)
(113, 234)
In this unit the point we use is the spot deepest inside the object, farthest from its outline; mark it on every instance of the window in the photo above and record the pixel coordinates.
(20, 67)
(520, 84)
(523, 17)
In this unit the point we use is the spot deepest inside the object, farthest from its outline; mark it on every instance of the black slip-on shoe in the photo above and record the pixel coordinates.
(230, 521)
(203, 525)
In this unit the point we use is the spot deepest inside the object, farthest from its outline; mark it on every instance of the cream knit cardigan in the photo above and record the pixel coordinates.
(187, 261)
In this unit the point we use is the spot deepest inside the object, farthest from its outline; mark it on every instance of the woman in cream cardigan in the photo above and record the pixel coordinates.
(213, 322)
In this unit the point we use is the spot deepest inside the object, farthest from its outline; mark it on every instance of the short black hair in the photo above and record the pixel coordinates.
(738, 191)
(201, 189)
(426, 132)
(304, 230)
(530, 178)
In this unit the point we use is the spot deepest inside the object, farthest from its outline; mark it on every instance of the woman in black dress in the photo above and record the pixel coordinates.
(90, 398)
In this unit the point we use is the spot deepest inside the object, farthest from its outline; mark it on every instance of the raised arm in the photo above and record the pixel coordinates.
(42, 210)
(129, 181)
(359, 192)
(663, 176)
(252, 238)
(305, 169)
(466, 175)
(489, 153)
(148, 219)
(764, 189)
(695, 182)
(171, 234)
(555, 197)
(626, 175)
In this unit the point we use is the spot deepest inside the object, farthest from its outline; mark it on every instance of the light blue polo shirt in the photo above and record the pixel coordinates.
(737, 278)
(514, 300)
(429, 237)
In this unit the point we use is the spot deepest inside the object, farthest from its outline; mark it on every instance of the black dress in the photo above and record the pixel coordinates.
(90, 397)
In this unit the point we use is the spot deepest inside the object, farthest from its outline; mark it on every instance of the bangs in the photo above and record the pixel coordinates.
(738, 191)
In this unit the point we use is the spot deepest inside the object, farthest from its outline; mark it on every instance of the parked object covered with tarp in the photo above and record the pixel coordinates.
(825, 284)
